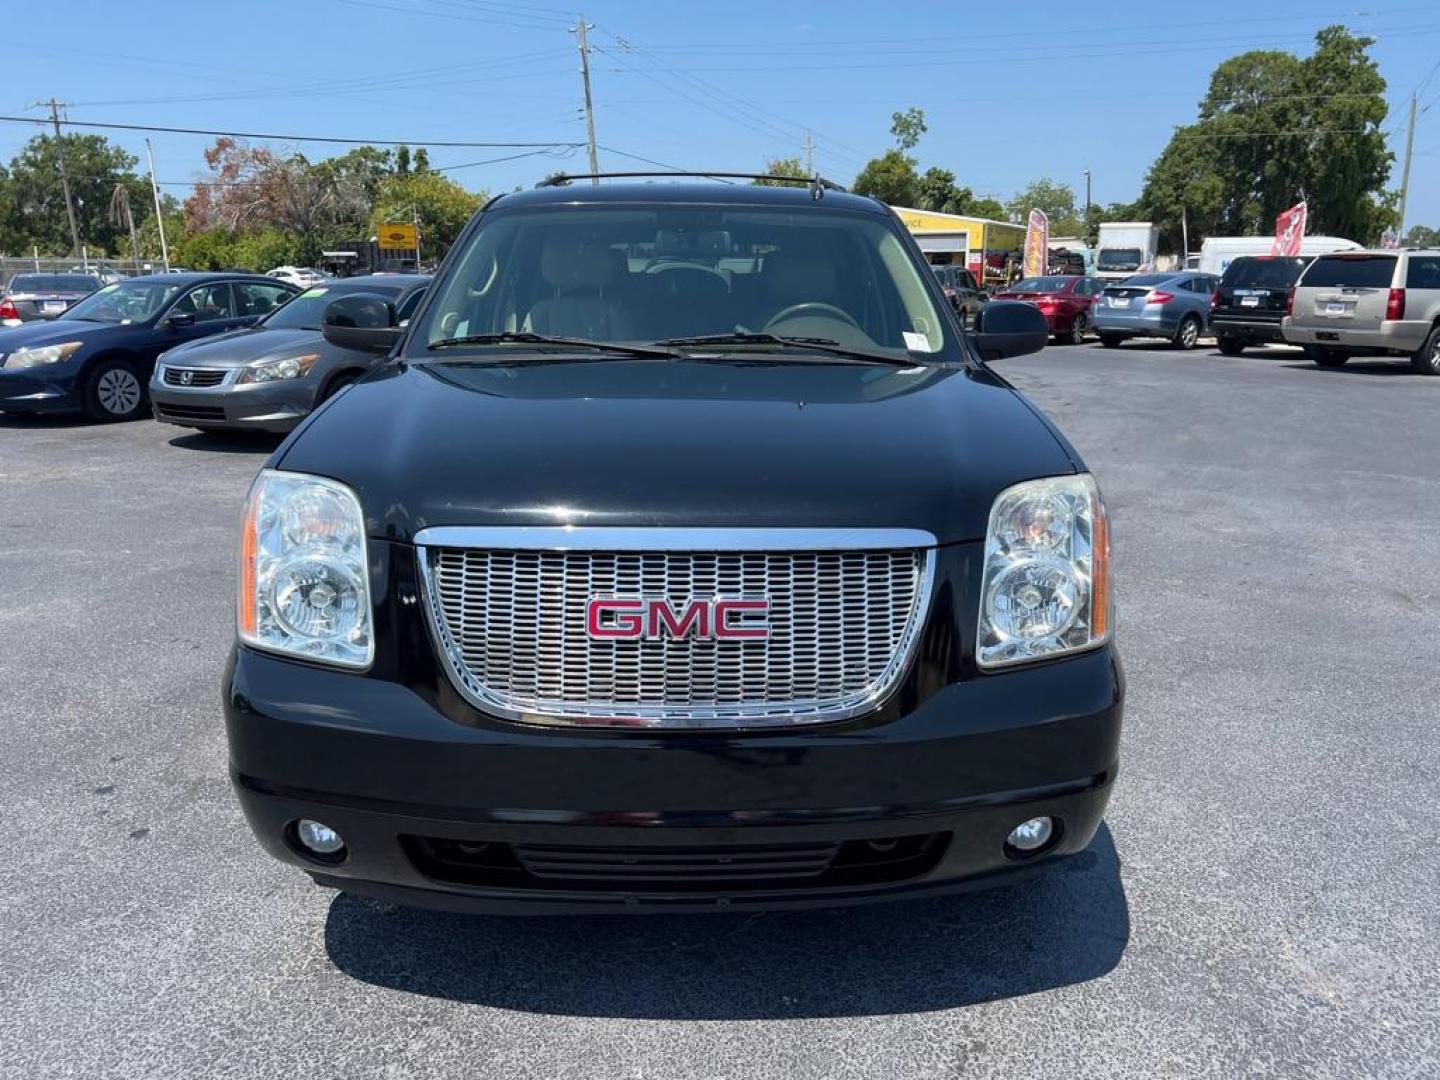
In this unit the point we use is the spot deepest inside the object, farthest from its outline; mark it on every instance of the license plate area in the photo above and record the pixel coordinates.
(1249, 301)
(53, 305)
(1335, 307)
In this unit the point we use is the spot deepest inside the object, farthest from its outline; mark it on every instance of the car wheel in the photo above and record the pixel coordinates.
(1427, 360)
(1187, 333)
(1324, 357)
(1110, 341)
(114, 391)
(1077, 330)
(1229, 346)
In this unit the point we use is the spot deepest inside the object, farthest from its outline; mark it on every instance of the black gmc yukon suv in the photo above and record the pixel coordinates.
(1250, 301)
(685, 555)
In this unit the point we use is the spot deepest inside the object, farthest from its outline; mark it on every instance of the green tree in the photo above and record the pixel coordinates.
(34, 201)
(891, 178)
(785, 166)
(907, 127)
(1055, 200)
(442, 205)
(1274, 129)
(937, 190)
(1421, 236)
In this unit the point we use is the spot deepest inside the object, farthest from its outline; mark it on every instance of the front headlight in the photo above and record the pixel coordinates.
(1046, 586)
(291, 367)
(304, 570)
(41, 355)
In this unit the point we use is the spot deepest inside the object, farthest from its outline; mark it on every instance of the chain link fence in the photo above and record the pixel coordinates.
(104, 269)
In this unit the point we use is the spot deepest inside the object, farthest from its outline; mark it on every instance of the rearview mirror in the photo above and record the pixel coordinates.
(1009, 328)
(364, 322)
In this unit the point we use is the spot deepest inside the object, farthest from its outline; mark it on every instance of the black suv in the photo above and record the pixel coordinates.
(685, 555)
(1249, 303)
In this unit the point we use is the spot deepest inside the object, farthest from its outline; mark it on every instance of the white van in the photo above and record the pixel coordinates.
(1217, 252)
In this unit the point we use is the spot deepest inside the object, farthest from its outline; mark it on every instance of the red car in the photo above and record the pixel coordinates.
(1064, 300)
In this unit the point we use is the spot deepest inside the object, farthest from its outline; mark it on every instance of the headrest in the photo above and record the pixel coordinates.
(566, 264)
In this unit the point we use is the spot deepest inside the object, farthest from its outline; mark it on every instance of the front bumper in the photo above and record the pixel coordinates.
(53, 388)
(402, 769)
(1393, 336)
(276, 407)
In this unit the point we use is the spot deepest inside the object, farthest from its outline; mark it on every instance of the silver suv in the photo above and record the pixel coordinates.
(1368, 303)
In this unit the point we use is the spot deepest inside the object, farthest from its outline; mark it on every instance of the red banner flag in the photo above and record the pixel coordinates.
(1289, 231)
(1037, 245)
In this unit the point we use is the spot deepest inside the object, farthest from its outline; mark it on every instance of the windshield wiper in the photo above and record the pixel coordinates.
(525, 337)
(812, 344)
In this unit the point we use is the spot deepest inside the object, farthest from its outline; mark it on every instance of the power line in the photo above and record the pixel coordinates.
(293, 138)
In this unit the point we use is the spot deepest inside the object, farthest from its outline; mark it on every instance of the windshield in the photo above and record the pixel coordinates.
(22, 283)
(642, 272)
(1042, 284)
(1118, 259)
(1263, 273)
(307, 310)
(125, 302)
(1366, 271)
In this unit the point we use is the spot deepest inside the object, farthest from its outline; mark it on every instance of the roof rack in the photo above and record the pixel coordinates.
(817, 183)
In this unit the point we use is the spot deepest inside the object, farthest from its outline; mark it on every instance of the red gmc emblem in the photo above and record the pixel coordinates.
(630, 618)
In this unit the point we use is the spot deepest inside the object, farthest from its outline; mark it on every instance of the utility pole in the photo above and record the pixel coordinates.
(415, 218)
(1405, 174)
(159, 217)
(584, 45)
(1087, 195)
(55, 107)
(809, 155)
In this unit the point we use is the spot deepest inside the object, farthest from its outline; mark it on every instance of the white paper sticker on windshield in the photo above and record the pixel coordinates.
(915, 342)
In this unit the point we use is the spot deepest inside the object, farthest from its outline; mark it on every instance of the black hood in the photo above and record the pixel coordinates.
(683, 443)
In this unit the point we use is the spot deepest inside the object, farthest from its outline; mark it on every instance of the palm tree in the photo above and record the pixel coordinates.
(120, 215)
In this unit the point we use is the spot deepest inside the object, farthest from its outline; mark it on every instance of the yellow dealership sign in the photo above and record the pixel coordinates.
(397, 237)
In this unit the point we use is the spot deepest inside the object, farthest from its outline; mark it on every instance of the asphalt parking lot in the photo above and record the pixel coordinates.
(1261, 902)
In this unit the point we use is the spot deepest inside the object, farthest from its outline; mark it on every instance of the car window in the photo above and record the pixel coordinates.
(125, 302)
(408, 305)
(259, 298)
(207, 303)
(1262, 273)
(967, 279)
(1423, 272)
(1041, 284)
(21, 283)
(1358, 271)
(643, 272)
(1146, 279)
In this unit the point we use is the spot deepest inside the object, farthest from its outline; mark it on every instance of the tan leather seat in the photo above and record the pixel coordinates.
(585, 303)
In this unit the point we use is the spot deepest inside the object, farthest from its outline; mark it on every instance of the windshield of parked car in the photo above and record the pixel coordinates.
(25, 283)
(1262, 273)
(644, 273)
(125, 302)
(1054, 284)
(307, 311)
(1118, 259)
(1363, 271)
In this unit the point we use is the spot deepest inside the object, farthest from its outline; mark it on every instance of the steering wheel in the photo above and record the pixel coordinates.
(811, 307)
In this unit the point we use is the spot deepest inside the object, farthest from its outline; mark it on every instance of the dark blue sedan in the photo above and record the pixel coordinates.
(97, 357)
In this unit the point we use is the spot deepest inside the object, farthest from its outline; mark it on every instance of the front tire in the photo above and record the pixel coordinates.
(1426, 361)
(1229, 346)
(1326, 358)
(114, 391)
(1186, 334)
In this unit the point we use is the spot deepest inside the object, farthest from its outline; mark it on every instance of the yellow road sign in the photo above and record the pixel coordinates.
(397, 237)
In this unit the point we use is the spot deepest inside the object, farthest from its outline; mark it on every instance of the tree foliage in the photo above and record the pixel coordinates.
(1055, 200)
(785, 166)
(32, 197)
(907, 127)
(1275, 129)
(1421, 236)
(442, 206)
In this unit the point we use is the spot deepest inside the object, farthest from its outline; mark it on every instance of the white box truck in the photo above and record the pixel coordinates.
(1125, 248)
(1218, 252)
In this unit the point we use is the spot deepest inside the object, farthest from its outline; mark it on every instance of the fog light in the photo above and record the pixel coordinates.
(1031, 835)
(317, 837)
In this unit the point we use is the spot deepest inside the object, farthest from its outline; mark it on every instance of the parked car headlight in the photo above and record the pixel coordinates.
(41, 355)
(1046, 585)
(304, 571)
(291, 367)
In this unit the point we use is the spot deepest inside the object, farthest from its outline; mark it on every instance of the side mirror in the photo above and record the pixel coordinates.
(181, 318)
(1009, 328)
(364, 322)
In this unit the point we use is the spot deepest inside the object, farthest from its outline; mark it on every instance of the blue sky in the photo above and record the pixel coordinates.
(1011, 92)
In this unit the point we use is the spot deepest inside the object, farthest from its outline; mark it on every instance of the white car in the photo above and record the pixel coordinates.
(303, 276)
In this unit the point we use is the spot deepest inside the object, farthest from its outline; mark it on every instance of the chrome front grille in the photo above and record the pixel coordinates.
(509, 614)
(194, 377)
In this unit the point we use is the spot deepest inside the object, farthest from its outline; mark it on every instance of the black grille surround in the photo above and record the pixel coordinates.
(208, 413)
(675, 870)
(199, 378)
